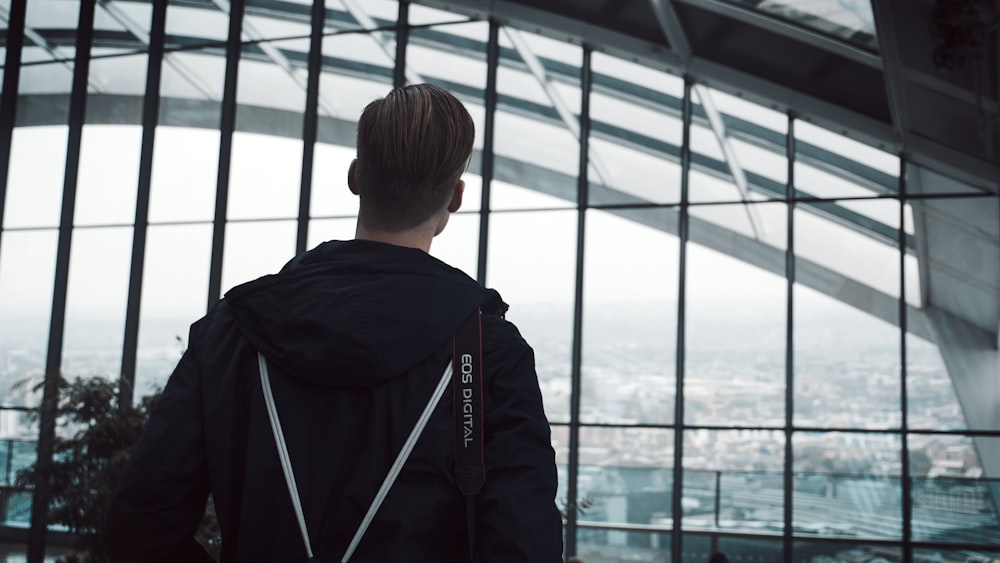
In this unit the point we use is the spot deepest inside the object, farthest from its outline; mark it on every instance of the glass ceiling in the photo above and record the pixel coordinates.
(744, 148)
(848, 20)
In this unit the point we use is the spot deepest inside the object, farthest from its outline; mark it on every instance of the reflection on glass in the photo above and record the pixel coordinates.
(851, 21)
(597, 545)
(733, 480)
(35, 177)
(630, 313)
(174, 289)
(265, 173)
(185, 169)
(819, 552)
(625, 476)
(531, 262)
(99, 269)
(847, 485)
(846, 365)
(254, 249)
(734, 371)
(108, 174)
(27, 269)
(952, 500)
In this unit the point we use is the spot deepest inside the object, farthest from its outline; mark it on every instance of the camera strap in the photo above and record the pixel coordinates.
(467, 405)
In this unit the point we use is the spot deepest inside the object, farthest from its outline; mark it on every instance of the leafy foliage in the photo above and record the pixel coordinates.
(90, 452)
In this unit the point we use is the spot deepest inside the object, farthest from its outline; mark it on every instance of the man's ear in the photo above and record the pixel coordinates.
(456, 197)
(351, 182)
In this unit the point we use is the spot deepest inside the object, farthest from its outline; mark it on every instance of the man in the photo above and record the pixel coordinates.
(357, 334)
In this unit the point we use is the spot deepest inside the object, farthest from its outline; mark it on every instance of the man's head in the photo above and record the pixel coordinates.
(413, 146)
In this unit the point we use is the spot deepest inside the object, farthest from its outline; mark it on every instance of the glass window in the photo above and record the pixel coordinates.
(185, 170)
(940, 462)
(866, 250)
(100, 262)
(734, 371)
(930, 393)
(265, 173)
(625, 476)
(630, 313)
(202, 25)
(956, 245)
(27, 272)
(636, 133)
(108, 175)
(831, 165)
(331, 196)
(423, 15)
(529, 127)
(823, 552)
(35, 177)
(847, 485)
(531, 261)
(733, 480)
(732, 226)
(322, 230)
(268, 79)
(123, 75)
(174, 293)
(458, 245)
(356, 70)
(846, 365)
(605, 544)
(192, 75)
(256, 248)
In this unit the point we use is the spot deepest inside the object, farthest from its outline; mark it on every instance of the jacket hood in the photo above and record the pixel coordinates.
(355, 313)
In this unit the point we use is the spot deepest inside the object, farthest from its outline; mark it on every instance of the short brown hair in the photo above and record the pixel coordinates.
(413, 146)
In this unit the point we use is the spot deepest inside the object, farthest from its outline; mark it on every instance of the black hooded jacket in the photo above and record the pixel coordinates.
(357, 335)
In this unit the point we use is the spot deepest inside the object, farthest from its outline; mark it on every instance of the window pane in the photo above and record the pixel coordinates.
(733, 480)
(843, 352)
(267, 79)
(636, 133)
(119, 75)
(254, 249)
(185, 170)
(820, 552)
(531, 262)
(866, 249)
(27, 271)
(356, 70)
(174, 293)
(809, 137)
(630, 313)
(322, 230)
(458, 245)
(930, 393)
(847, 485)
(330, 195)
(625, 476)
(264, 177)
(529, 128)
(35, 177)
(109, 175)
(700, 548)
(952, 501)
(597, 545)
(100, 262)
(735, 341)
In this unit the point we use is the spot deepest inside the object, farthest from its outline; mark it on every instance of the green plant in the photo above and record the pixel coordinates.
(92, 447)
